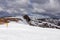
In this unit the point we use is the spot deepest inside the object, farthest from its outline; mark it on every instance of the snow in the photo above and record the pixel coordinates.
(17, 31)
(20, 17)
(37, 16)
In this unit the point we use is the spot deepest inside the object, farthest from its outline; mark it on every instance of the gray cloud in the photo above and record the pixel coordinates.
(39, 1)
(48, 4)
(30, 6)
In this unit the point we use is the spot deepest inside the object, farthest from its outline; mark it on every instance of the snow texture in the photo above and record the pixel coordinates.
(16, 31)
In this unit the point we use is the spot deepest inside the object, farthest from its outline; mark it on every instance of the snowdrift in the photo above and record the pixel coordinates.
(17, 31)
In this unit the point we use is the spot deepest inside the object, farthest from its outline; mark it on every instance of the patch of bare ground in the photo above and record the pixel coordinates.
(7, 20)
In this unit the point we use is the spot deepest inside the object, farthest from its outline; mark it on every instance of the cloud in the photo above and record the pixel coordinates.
(48, 5)
(30, 6)
(1, 8)
(39, 1)
(13, 6)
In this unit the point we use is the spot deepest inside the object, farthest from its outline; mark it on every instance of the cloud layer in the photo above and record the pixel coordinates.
(30, 6)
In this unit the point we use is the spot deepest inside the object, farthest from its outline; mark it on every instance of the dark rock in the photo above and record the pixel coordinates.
(59, 23)
(27, 18)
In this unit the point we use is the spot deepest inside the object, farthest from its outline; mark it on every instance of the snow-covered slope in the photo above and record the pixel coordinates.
(16, 31)
(33, 21)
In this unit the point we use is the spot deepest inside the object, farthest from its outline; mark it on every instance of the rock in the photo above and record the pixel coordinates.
(27, 18)
(59, 23)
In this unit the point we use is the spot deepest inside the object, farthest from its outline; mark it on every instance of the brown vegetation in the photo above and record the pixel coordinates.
(7, 20)
(2, 21)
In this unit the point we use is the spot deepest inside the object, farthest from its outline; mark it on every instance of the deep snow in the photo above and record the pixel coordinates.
(16, 31)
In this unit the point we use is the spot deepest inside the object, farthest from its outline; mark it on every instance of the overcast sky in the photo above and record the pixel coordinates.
(28, 6)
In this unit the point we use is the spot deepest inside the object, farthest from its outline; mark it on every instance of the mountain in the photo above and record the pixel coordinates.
(33, 21)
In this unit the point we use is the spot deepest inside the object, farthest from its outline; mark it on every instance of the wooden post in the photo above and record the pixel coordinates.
(6, 24)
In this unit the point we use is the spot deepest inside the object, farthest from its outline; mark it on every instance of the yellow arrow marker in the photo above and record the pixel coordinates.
(6, 24)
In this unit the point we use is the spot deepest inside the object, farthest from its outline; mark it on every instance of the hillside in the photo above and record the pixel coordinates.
(28, 20)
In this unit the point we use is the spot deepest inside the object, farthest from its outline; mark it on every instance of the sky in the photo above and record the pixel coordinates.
(30, 6)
